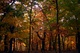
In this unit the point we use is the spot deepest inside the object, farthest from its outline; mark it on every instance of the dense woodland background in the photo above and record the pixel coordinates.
(42, 25)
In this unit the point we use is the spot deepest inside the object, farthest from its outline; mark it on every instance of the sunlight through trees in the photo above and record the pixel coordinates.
(39, 25)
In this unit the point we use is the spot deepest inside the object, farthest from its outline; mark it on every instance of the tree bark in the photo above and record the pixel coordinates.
(10, 48)
(54, 43)
(78, 42)
(63, 42)
(32, 44)
(43, 40)
(59, 44)
(6, 44)
(50, 39)
(50, 44)
(37, 46)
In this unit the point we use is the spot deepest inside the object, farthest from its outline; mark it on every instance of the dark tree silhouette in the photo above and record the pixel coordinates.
(57, 16)
(43, 40)
(12, 29)
(78, 39)
(6, 44)
(11, 41)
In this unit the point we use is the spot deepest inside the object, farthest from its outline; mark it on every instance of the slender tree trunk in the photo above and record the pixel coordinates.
(6, 44)
(14, 45)
(43, 42)
(78, 42)
(50, 39)
(10, 48)
(77, 32)
(29, 43)
(50, 44)
(32, 43)
(37, 46)
(63, 42)
(30, 28)
(59, 44)
(43, 45)
(54, 43)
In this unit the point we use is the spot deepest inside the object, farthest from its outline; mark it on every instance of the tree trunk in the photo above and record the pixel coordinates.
(63, 42)
(37, 46)
(54, 43)
(30, 28)
(51, 39)
(50, 44)
(43, 45)
(6, 44)
(78, 42)
(59, 43)
(43, 42)
(11, 41)
(10, 49)
(32, 44)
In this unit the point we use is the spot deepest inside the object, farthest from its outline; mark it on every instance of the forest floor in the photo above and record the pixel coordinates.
(48, 52)
(43, 52)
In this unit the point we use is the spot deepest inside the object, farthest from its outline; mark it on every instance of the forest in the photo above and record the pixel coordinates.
(39, 26)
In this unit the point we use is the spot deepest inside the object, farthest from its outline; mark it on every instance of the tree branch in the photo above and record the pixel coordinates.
(39, 36)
